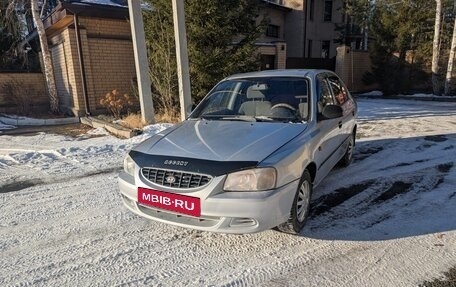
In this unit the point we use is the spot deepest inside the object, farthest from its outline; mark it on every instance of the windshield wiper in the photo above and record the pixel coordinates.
(205, 117)
(245, 118)
(242, 118)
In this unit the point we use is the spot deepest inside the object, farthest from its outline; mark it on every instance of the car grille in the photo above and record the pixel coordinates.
(181, 179)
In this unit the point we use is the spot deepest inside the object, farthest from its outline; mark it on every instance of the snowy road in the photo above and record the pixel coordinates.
(387, 220)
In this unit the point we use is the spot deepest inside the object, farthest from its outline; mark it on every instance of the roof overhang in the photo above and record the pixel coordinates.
(277, 6)
(63, 14)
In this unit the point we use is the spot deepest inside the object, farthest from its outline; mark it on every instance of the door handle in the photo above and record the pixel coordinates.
(340, 124)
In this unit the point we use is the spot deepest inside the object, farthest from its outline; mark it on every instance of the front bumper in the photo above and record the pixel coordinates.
(226, 212)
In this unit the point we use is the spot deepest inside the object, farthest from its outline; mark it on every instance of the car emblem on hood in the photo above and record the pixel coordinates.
(170, 179)
(176, 162)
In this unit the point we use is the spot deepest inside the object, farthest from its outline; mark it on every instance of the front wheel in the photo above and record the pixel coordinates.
(301, 206)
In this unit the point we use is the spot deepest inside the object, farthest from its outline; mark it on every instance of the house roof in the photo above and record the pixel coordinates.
(62, 14)
(108, 3)
(115, 3)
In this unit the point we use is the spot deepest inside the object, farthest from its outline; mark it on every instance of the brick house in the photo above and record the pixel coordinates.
(104, 48)
(272, 45)
(100, 42)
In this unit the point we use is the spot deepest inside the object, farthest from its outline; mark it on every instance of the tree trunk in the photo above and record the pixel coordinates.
(436, 48)
(451, 59)
(43, 8)
(47, 61)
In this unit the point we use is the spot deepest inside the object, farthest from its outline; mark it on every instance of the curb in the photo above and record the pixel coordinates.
(38, 122)
(115, 129)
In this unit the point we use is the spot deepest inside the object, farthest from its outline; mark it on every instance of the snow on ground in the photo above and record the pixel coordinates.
(6, 127)
(4, 123)
(387, 220)
(372, 93)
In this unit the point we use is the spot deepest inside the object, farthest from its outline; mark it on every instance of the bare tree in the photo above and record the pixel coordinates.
(47, 60)
(43, 8)
(451, 58)
(436, 48)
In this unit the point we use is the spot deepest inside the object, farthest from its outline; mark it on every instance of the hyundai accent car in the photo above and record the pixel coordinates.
(248, 156)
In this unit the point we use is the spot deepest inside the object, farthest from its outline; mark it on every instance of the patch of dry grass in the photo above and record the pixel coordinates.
(133, 121)
(169, 117)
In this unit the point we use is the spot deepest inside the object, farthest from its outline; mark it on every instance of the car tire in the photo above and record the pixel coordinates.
(300, 208)
(348, 156)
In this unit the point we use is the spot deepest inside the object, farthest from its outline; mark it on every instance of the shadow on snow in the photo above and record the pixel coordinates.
(395, 188)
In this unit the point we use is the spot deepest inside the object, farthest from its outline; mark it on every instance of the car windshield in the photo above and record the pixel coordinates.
(274, 99)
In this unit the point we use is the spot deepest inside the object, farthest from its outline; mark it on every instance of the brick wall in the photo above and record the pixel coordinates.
(108, 61)
(113, 67)
(109, 58)
(97, 27)
(28, 89)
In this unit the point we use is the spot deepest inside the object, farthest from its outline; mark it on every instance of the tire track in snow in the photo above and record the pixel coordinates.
(358, 203)
(20, 185)
(373, 200)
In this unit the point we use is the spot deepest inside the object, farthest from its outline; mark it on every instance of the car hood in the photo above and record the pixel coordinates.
(222, 140)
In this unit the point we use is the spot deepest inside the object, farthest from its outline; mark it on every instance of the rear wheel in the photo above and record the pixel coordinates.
(300, 208)
(348, 156)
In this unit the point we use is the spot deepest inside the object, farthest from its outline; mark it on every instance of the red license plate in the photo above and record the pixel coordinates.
(170, 201)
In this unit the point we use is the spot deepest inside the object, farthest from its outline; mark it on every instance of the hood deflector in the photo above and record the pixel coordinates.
(203, 166)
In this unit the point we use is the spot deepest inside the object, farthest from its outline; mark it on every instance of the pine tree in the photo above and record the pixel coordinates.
(221, 39)
(10, 37)
(391, 44)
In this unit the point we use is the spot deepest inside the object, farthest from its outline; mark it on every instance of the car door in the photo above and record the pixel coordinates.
(343, 99)
(329, 141)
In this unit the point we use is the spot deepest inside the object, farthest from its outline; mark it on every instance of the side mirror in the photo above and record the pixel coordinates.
(332, 112)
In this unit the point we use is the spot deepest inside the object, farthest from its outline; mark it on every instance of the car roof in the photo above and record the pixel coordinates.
(278, 73)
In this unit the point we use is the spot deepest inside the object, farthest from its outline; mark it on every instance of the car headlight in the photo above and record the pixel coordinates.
(256, 179)
(129, 165)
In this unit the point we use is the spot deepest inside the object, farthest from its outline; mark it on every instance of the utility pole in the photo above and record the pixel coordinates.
(183, 74)
(141, 61)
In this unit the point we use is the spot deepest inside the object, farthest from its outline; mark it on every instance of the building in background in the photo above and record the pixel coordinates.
(272, 44)
(310, 32)
(299, 34)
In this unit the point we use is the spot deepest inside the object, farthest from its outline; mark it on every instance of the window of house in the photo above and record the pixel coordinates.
(272, 31)
(279, 2)
(325, 45)
(327, 16)
(311, 10)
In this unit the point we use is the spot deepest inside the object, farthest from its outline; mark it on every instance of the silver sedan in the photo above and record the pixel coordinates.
(249, 155)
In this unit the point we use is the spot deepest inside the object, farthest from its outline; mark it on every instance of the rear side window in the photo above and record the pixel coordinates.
(324, 94)
(339, 91)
